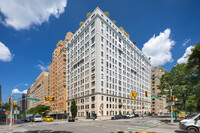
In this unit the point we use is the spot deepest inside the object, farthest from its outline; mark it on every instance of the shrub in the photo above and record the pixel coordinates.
(88, 14)
(107, 14)
(81, 23)
(114, 21)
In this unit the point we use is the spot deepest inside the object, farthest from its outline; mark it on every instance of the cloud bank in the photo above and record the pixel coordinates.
(21, 14)
(5, 54)
(185, 56)
(158, 48)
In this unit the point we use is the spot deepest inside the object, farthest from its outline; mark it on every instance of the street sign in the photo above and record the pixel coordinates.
(154, 96)
(32, 99)
(9, 116)
(171, 103)
(16, 112)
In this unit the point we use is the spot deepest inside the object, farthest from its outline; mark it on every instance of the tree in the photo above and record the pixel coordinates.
(121, 28)
(193, 67)
(81, 23)
(114, 21)
(88, 14)
(40, 109)
(73, 108)
(107, 14)
(120, 113)
(179, 80)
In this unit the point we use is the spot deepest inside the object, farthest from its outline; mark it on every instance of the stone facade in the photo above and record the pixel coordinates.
(103, 68)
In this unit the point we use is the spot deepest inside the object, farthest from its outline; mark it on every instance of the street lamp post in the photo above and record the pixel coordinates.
(11, 102)
(172, 120)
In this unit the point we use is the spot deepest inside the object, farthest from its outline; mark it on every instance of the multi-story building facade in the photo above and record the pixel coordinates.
(57, 77)
(103, 68)
(22, 103)
(158, 104)
(38, 90)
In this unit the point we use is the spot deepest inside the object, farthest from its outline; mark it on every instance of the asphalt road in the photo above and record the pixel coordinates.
(135, 125)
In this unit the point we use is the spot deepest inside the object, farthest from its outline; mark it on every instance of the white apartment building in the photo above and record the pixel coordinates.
(103, 68)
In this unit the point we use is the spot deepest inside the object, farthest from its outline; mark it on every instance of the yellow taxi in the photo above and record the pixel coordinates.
(48, 118)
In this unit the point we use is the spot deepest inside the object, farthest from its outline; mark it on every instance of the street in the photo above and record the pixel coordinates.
(135, 125)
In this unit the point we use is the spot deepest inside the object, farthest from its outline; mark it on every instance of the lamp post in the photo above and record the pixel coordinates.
(172, 120)
(11, 102)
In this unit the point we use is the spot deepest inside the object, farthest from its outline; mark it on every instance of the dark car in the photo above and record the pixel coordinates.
(71, 119)
(115, 117)
(136, 115)
(124, 116)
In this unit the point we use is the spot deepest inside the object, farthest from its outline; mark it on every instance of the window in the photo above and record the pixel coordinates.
(92, 32)
(93, 54)
(101, 53)
(101, 39)
(93, 105)
(93, 24)
(93, 47)
(101, 31)
(101, 46)
(93, 39)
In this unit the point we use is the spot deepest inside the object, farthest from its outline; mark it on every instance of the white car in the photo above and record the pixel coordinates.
(192, 125)
(130, 115)
(38, 118)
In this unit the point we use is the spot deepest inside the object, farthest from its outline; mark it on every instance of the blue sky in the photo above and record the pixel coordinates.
(29, 32)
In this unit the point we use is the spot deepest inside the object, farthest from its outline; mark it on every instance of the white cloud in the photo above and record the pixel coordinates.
(14, 91)
(185, 57)
(5, 54)
(158, 48)
(42, 67)
(186, 42)
(21, 14)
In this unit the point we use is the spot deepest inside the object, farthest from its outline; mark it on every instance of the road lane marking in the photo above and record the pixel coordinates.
(103, 127)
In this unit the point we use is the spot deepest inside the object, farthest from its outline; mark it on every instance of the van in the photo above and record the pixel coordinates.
(191, 125)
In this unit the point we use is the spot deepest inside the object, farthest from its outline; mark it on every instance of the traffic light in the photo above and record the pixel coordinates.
(8, 100)
(47, 98)
(14, 103)
(172, 98)
(133, 95)
(52, 98)
(146, 93)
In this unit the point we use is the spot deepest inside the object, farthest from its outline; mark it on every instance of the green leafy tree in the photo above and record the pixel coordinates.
(193, 67)
(107, 14)
(81, 23)
(179, 80)
(120, 113)
(40, 109)
(88, 14)
(73, 108)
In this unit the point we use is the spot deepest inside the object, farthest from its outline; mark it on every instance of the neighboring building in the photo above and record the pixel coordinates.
(57, 77)
(158, 105)
(38, 90)
(103, 68)
(19, 103)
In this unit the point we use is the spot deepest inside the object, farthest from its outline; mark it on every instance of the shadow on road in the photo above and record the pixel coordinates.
(45, 131)
(169, 121)
(180, 131)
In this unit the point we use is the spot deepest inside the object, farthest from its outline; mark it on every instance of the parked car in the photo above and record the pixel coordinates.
(130, 115)
(27, 117)
(115, 117)
(192, 125)
(71, 119)
(48, 118)
(136, 115)
(38, 118)
(124, 116)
